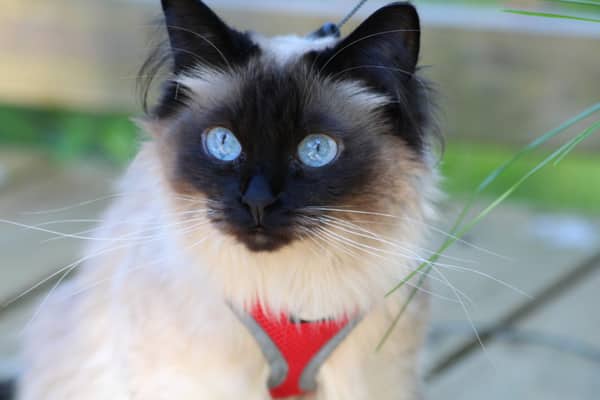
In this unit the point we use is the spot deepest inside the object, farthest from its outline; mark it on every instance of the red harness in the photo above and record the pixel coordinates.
(303, 345)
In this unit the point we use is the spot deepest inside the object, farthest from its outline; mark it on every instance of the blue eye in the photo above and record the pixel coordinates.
(222, 144)
(317, 150)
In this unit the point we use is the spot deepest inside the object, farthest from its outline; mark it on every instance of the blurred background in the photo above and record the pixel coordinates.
(529, 329)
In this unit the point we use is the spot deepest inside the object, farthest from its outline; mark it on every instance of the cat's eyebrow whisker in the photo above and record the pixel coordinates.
(198, 57)
(394, 69)
(308, 90)
(360, 40)
(203, 37)
(415, 220)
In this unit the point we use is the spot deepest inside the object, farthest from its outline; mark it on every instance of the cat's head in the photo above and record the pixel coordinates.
(290, 138)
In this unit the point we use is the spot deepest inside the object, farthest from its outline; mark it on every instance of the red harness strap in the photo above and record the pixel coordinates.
(298, 342)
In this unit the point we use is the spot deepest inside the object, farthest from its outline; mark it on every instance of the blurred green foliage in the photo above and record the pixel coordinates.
(568, 185)
(69, 135)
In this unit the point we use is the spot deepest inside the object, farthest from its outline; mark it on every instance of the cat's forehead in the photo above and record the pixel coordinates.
(280, 83)
(289, 48)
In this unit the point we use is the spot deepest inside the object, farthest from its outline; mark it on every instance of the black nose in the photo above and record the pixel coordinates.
(257, 197)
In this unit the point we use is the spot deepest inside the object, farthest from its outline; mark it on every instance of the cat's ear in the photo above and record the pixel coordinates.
(199, 37)
(384, 47)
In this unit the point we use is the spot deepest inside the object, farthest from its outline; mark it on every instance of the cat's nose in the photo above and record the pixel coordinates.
(257, 197)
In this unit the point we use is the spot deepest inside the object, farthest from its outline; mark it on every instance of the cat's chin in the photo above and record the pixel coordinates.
(261, 241)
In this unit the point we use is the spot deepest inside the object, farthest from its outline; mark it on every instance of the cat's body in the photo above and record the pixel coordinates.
(149, 314)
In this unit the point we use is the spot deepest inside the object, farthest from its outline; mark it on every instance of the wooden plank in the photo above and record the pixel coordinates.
(556, 355)
(541, 253)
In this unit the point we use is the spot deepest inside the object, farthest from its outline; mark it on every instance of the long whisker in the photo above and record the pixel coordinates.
(357, 245)
(468, 316)
(383, 239)
(123, 222)
(145, 266)
(448, 266)
(433, 228)
(83, 259)
(77, 205)
(72, 236)
(491, 277)
(456, 267)
(411, 256)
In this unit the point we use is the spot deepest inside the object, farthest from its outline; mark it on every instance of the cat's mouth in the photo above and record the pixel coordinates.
(261, 239)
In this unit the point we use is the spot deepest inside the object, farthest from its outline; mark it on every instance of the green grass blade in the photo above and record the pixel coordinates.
(585, 134)
(466, 228)
(489, 179)
(550, 15)
(427, 265)
(411, 295)
(578, 2)
(537, 143)
(528, 148)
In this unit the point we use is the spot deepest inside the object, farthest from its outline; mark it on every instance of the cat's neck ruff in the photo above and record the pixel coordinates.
(302, 279)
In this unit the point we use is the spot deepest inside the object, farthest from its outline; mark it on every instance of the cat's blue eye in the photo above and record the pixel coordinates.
(317, 150)
(222, 144)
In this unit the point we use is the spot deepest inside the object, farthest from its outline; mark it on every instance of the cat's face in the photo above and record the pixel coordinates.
(280, 136)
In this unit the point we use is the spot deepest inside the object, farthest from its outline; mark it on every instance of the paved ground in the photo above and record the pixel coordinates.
(544, 344)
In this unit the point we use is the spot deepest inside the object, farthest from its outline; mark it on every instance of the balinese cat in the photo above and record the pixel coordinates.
(284, 189)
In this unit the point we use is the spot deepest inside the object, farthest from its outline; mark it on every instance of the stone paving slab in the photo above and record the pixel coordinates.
(557, 358)
(542, 249)
(25, 255)
(12, 322)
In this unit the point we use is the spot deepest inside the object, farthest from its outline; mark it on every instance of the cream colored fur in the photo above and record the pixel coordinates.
(146, 317)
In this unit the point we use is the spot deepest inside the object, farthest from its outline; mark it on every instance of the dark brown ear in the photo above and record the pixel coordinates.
(199, 37)
(385, 46)
(383, 53)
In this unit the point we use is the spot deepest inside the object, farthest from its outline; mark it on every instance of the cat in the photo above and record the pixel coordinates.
(286, 182)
